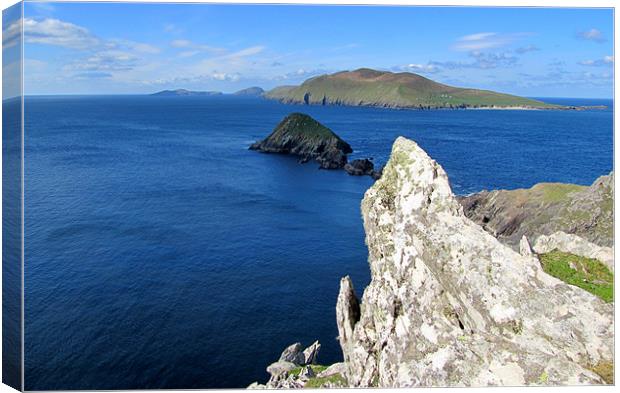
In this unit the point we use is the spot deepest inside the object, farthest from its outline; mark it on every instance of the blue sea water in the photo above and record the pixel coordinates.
(161, 253)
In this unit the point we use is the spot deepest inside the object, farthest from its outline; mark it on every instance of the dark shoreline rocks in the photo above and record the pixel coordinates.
(362, 167)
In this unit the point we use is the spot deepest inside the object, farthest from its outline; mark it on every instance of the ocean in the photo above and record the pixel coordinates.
(161, 253)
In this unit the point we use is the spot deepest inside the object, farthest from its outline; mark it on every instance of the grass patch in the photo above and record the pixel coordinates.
(335, 380)
(558, 192)
(585, 273)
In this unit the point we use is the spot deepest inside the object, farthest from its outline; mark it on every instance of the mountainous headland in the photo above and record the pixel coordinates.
(367, 87)
(184, 93)
(250, 91)
(450, 305)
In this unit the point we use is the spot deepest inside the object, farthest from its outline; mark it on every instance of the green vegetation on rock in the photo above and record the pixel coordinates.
(332, 381)
(317, 368)
(586, 273)
(367, 87)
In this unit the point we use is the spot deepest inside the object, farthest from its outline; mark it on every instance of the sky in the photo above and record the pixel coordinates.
(126, 48)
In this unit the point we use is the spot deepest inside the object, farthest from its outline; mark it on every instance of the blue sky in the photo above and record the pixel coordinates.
(107, 48)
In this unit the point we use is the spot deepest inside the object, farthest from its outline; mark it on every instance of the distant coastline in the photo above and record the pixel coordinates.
(384, 89)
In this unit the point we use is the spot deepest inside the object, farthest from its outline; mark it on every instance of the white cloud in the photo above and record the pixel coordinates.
(189, 53)
(193, 48)
(172, 28)
(480, 60)
(528, 48)
(223, 76)
(180, 43)
(253, 50)
(11, 34)
(592, 35)
(422, 68)
(56, 32)
(481, 41)
(605, 61)
(143, 48)
(108, 60)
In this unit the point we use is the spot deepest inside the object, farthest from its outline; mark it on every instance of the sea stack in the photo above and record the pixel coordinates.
(301, 135)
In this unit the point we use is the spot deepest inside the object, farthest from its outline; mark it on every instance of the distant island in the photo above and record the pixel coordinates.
(250, 91)
(367, 87)
(184, 93)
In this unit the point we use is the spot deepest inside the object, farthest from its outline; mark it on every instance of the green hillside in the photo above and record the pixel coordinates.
(368, 87)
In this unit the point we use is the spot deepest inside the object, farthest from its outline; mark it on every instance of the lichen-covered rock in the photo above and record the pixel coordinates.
(525, 248)
(311, 353)
(575, 245)
(280, 367)
(449, 305)
(336, 368)
(293, 354)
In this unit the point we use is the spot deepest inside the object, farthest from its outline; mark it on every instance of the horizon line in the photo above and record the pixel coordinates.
(229, 93)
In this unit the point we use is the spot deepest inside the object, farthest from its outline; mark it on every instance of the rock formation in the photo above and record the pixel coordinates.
(299, 134)
(362, 167)
(574, 244)
(525, 248)
(545, 209)
(298, 369)
(449, 305)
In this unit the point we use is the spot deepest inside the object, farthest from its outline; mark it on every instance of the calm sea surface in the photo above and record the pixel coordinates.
(161, 253)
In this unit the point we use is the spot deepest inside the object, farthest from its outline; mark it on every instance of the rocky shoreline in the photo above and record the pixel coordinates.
(450, 305)
(546, 208)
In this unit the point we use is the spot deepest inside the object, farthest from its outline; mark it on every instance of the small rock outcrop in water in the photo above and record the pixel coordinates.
(449, 305)
(576, 245)
(545, 209)
(301, 135)
(360, 167)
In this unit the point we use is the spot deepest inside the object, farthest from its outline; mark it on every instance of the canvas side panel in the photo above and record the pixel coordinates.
(12, 191)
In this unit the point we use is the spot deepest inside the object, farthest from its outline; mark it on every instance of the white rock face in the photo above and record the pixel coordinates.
(575, 245)
(448, 305)
(525, 248)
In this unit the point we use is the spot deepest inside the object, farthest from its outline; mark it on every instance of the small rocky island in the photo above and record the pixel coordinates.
(301, 135)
